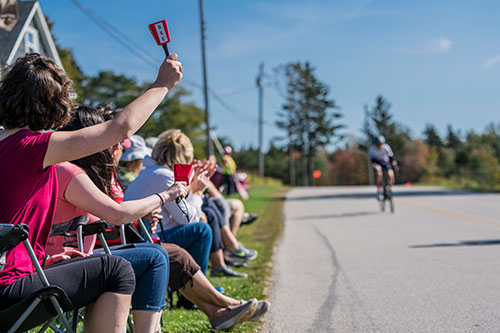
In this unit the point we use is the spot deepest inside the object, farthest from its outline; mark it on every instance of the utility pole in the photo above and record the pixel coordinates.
(291, 153)
(260, 78)
(210, 146)
(369, 137)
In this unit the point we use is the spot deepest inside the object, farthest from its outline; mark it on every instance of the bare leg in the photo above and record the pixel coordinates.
(146, 321)
(378, 174)
(201, 292)
(390, 173)
(217, 259)
(114, 306)
(235, 220)
(228, 238)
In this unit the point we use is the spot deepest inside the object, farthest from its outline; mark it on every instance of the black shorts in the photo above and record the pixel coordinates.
(383, 164)
(83, 280)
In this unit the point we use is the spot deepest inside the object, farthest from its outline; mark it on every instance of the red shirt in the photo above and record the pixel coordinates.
(28, 195)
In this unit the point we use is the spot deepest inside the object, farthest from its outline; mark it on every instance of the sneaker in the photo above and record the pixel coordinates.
(251, 253)
(241, 254)
(249, 218)
(260, 311)
(234, 315)
(227, 272)
(234, 262)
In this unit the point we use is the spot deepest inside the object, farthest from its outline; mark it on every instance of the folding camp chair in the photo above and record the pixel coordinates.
(79, 228)
(44, 305)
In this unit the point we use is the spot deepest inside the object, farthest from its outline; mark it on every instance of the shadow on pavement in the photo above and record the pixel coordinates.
(398, 193)
(462, 243)
(332, 216)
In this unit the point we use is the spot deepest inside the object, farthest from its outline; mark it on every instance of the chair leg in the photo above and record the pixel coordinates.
(61, 314)
(25, 315)
(76, 316)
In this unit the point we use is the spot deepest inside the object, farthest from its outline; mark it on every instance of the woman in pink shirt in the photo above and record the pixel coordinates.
(35, 97)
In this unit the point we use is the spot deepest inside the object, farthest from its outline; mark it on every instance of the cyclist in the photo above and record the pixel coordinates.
(382, 157)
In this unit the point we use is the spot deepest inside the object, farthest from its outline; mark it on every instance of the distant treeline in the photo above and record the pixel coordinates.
(470, 159)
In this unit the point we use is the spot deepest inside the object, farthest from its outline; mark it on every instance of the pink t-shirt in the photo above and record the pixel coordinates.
(66, 211)
(28, 194)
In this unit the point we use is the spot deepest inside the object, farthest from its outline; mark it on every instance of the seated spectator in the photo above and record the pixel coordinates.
(150, 261)
(173, 147)
(131, 160)
(232, 209)
(35, 97)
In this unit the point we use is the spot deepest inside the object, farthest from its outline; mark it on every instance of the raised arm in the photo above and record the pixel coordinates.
(69, 146)
(82, 193)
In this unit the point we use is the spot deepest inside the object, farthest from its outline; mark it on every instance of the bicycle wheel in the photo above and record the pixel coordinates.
(382, 205)
(391, 204)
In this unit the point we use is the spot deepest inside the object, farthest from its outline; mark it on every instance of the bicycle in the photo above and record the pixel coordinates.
(386, 193)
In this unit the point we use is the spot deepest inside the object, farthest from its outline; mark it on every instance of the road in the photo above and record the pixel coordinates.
(343, 266)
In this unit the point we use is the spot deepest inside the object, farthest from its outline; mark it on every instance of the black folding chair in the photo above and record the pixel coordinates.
(44, 305)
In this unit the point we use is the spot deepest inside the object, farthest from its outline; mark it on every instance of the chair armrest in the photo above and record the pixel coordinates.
(94, 228)
(64, 228)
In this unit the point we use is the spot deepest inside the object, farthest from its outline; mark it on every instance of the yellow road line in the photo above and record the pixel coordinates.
(452, 213)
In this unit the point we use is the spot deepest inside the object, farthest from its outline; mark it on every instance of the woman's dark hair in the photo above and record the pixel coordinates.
(100, 166)
(35, 93)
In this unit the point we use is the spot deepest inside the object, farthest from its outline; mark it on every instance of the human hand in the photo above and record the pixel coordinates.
(170, 72)
(154, 216)
(179, 189)
(153, 226)
(207, 165)
(200, 181)
(66, 255)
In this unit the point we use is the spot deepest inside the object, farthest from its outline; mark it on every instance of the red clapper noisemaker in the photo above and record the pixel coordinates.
(183, 173)
(159, 30)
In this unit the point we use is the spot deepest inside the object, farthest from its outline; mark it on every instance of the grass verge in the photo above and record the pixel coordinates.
(266, 199)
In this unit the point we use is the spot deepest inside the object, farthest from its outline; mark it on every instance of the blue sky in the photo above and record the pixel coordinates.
(435, 61)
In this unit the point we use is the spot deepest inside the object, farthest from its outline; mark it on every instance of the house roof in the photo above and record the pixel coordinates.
(29, 11)
(8, 38)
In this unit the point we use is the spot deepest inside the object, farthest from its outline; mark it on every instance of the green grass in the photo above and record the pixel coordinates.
(266, 199)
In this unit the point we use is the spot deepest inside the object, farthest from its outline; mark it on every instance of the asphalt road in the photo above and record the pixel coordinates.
(343, 266)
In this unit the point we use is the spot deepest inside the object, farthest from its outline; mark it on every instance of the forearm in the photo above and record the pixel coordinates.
(130, 211)
(136, 113)
(70, 146)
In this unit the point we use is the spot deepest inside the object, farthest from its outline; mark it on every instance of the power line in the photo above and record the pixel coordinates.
(144, 56)
(115, 34)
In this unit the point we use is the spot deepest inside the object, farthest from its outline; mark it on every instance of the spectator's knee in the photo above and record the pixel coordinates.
(121, 279)
(205, 231)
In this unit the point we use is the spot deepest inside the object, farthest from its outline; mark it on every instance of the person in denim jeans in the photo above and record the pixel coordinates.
(196, 238)
(151, 267)
(78, 195)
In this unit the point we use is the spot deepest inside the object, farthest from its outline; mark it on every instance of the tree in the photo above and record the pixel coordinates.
(308, 116)
(396, 135)
(452, 139)
(432, 137)
(107, 87)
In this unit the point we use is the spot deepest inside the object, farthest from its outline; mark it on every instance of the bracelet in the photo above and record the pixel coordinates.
(161, 198)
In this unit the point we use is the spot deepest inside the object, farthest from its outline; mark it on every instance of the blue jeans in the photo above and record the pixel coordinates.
(195, 237)
(151, 267)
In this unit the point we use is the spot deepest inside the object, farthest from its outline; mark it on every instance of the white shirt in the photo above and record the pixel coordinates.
(153, 179)
(382, 154)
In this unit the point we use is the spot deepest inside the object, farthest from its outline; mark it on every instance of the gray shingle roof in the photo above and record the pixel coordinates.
(8, 39)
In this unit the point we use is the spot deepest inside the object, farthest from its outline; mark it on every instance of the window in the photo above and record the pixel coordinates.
(31, 40)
